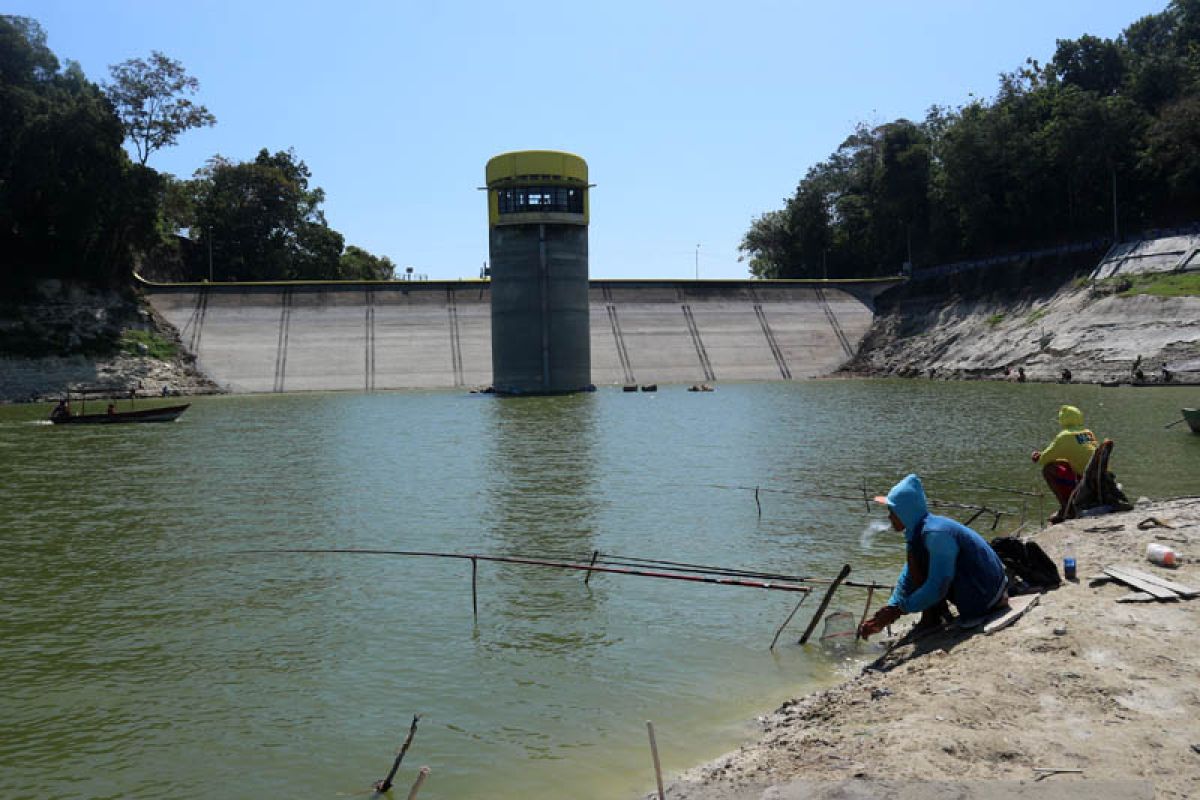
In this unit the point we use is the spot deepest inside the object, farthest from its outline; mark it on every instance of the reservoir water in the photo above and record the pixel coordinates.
(143, 653)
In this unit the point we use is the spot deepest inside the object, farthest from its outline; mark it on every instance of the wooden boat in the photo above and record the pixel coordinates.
(62, 414)
(1192, 417)
(164, 414)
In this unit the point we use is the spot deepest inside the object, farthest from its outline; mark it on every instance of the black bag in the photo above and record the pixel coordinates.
(1029, 568)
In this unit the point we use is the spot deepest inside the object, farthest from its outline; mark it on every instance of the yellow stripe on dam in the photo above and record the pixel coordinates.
(437, 334)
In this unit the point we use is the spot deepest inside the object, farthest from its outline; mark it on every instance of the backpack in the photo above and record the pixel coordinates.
(1029, 568)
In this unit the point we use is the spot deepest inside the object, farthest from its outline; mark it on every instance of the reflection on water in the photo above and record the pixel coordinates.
(138, 632)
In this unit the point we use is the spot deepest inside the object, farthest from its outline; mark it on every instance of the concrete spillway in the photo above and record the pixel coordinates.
(399, 335)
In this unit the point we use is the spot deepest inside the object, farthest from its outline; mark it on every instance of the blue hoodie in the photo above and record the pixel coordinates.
(961, 563)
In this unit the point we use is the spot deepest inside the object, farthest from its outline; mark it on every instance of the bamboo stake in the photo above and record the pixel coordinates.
(474, 589)
(825, 602)
(422, 774)
(803, 597)
(386, 784)
(866, 608)
(654, 754)
(757, 503)
(588, 577)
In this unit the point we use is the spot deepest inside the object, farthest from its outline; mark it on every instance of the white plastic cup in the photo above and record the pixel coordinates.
(1162, 555)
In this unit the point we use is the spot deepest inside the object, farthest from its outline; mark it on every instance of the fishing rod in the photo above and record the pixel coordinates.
(535, 562)
(984, 486)
(632, 560)
(857, 498)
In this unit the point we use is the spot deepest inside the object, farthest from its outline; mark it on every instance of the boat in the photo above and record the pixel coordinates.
(1192, 417)
(164, 414)
(62, 414)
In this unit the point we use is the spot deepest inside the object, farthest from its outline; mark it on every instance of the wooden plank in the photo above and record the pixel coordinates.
(1137, 597)
(1137, 583)
(1157, 580)
(1017, 607)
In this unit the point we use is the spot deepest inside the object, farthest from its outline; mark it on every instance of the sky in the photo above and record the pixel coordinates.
(694, 117)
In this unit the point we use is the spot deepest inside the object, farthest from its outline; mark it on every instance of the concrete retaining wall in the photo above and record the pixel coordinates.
(397, 335)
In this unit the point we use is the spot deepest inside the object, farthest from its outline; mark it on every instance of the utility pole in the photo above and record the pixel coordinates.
(210, 272)
(697, 262)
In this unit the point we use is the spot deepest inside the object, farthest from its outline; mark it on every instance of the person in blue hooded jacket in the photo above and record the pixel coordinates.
(947, 561)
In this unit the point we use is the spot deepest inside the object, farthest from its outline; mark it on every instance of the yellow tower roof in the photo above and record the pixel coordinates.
(536, 165)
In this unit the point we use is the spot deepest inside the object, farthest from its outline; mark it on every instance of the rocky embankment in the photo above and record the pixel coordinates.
(64, 335)
(1085, 682)
(1095, 333)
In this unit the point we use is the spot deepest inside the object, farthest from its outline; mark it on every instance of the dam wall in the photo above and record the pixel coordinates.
(437, 334)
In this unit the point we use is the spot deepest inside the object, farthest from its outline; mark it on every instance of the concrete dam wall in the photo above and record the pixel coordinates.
(437, 334)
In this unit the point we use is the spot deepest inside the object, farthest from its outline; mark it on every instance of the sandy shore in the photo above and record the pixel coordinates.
(1080, 682)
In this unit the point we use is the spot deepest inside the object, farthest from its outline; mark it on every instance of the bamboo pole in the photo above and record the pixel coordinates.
(422, 774)
(803, 597)
(654, 755)
(786, 584)
(866, 608)
(474, 589)
(386, 784)
(825, 602)
(757, 503)
(588, 577)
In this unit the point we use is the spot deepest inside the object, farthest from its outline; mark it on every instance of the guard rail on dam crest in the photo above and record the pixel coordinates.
(277, 337)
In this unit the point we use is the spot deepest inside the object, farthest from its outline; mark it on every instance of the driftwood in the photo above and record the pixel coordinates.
(1159, 588)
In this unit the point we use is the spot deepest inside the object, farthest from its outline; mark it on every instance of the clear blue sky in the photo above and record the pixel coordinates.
(694, 117)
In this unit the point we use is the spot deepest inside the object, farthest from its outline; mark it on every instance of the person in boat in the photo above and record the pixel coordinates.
(112, 409)
(1065, 459)
(946, 562)
(62, 410)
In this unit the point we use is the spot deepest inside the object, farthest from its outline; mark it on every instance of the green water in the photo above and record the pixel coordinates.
(142, 655)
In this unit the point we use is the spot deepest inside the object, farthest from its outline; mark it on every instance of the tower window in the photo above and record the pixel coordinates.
(535, 199)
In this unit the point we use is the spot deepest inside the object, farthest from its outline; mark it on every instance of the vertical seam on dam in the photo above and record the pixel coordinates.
(285, 317)
(772, 342)
(456, 362)
(622, 351)
(705, 364)
(369, 323)
(833, 322)
(196, 322)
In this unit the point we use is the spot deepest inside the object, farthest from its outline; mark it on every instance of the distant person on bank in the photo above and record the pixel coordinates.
(946, 561)
(1066, 458)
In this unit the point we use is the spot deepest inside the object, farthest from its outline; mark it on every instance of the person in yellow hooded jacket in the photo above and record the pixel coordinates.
(1065, 459)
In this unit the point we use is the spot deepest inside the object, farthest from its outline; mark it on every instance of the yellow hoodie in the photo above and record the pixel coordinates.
(1074, 442)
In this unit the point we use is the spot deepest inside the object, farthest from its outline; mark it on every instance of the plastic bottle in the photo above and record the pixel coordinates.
(1162, 555)
(1069, 559)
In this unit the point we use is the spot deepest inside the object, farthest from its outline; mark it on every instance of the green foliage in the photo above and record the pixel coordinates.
(359, 265)
(995, 319)
(149, 97)
(139, 342)
(1169, 284)
(1035, 315)
(264, 223)
(1034, 166)
(71, 203)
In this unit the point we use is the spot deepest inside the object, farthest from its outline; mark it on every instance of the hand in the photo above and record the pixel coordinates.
(883, 617)
(1036, 455)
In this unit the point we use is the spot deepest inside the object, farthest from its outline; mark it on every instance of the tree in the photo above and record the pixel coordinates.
(358, 264)
(149, 97)
(263, 221)
(71, 203)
